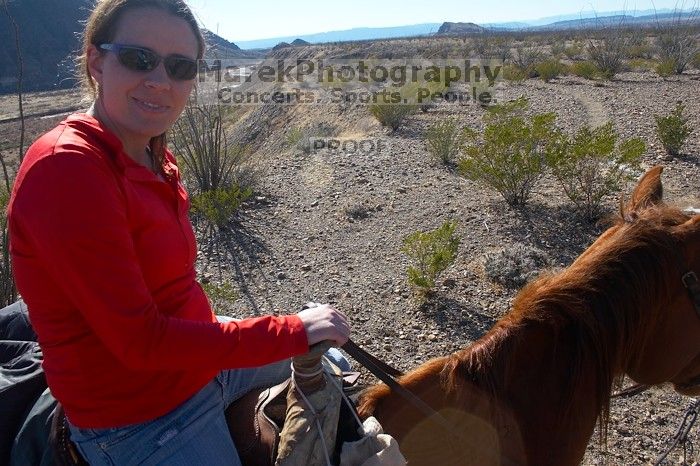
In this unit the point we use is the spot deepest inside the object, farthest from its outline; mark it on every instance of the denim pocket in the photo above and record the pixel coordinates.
(115, 435)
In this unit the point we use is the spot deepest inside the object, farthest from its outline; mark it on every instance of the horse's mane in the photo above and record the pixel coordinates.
(601, 306)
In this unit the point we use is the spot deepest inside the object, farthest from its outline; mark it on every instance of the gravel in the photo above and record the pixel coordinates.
(331, 225)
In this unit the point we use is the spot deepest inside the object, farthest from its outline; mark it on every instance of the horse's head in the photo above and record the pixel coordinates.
(671, 349)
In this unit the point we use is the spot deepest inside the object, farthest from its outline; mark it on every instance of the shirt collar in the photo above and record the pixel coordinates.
(114, 145)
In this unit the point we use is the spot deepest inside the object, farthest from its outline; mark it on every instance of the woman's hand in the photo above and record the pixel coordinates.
(323, 322)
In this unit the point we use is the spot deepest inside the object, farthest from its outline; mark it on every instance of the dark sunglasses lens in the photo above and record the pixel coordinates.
(182, 69)
(138, 59)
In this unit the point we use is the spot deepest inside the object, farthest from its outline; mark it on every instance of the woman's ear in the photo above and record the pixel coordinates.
(95, 60)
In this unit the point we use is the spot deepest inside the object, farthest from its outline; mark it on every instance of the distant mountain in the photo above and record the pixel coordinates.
(281, 45)
(584, 19)
(218, 43)
(617, 20)
(295, 43)
(346, 35)
(459, 28)
(50, 42)
(550, 20)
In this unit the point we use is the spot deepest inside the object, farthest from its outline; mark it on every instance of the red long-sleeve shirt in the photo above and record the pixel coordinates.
(103, 254)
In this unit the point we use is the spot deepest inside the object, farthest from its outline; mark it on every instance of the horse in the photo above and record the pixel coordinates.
(530, 391)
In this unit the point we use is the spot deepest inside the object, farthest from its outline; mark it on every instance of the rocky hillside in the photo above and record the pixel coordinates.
(49, 41)
(448, 28)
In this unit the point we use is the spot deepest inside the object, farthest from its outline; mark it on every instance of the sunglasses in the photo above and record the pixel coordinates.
(142, 59)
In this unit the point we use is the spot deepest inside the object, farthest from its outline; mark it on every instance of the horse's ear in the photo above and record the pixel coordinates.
(648, 192)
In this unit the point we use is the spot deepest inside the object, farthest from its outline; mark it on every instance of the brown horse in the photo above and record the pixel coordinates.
(531, 389)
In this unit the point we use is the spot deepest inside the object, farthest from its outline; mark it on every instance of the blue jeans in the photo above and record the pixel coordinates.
(194, 433)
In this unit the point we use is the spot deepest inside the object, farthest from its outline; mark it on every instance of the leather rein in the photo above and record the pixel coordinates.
(387, 374)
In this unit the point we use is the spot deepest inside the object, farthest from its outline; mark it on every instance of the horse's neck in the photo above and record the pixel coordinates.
(550, 399)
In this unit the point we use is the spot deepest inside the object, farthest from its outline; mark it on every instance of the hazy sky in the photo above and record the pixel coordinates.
(257, 19)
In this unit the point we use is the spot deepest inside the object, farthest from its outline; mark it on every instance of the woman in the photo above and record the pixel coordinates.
(103, 255)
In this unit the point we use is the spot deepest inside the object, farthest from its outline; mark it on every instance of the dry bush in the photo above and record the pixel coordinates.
(514, 266)
(526, 57)
(500, 48)
(608, 53)
(676, 42)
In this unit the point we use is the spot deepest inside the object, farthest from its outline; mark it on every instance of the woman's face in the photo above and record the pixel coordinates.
(139, 105)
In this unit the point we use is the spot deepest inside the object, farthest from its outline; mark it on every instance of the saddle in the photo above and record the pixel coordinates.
(256, 421)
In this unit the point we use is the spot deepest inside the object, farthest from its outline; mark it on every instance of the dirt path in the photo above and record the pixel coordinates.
(597, 114)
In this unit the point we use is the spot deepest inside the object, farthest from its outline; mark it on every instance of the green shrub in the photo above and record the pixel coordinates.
(300, 138)
(514, 74)
(673, 129)
(391, 115)
(550, 69)
(696, 61)
(644, 64)
(666, 68)
(558, 49)
(510, 156)
(218, 206)
(430, 254)
(443, 140)
(593, 164)
(221, 295)
(585, 69)
(294, 136)
(574, 51)
(639, 51)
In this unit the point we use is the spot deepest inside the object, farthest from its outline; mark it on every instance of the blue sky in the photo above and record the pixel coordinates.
(257, 19)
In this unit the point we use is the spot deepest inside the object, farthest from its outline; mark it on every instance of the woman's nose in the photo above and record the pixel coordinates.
(158, 78)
